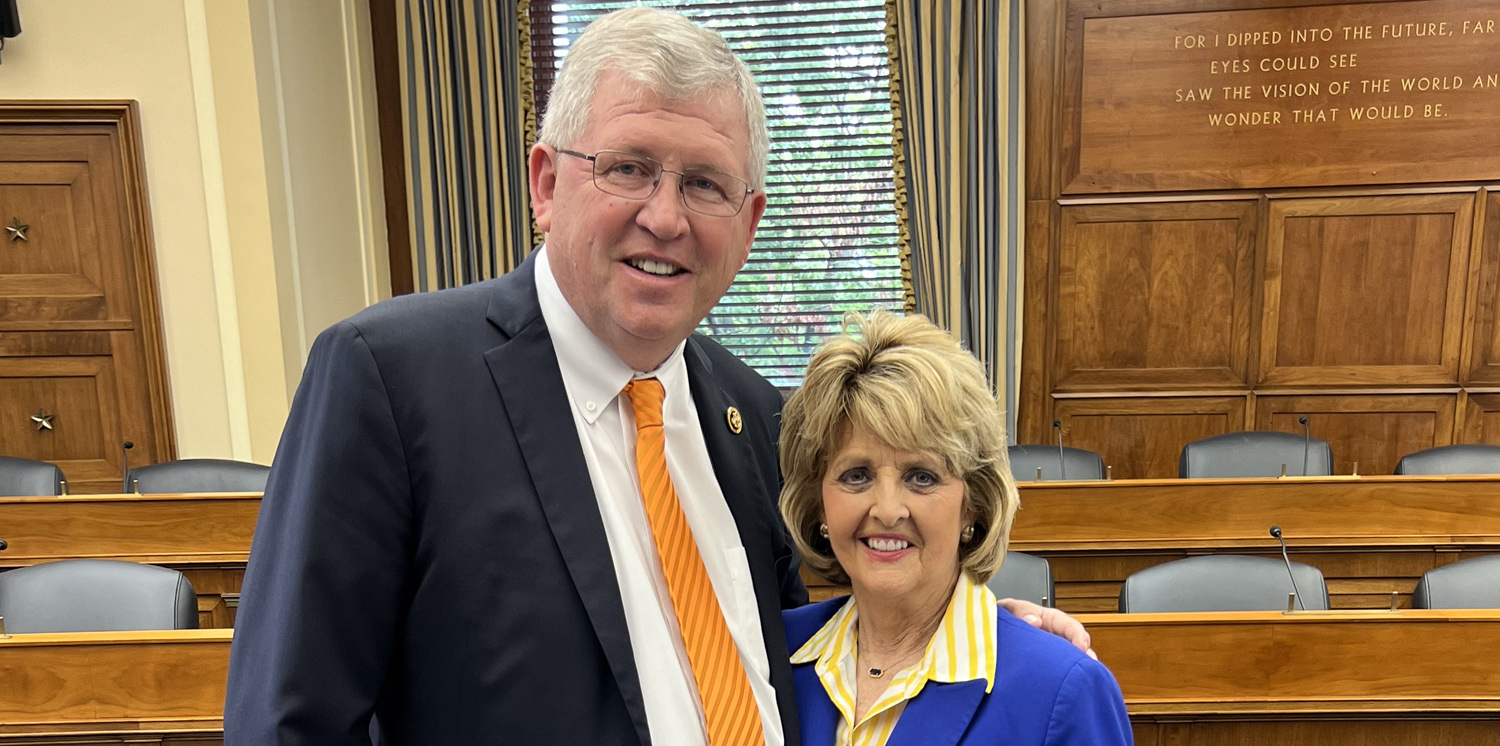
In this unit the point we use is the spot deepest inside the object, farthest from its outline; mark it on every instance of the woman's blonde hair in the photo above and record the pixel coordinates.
(906, 382)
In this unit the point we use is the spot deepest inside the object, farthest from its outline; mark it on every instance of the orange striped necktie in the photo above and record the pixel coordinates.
(729, 706)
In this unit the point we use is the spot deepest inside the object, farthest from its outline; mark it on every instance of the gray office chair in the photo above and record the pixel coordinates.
(1469, 584)
(1459, 459)
(1222, 582)
(198, 475)
(1026, 577)
(96, 596)
(1254, 454)
(1075, 463)
(23, 477)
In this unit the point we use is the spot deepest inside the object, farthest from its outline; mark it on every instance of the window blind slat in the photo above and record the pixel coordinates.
(829, 239)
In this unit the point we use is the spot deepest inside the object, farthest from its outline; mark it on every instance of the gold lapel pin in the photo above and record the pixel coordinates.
(735, 423)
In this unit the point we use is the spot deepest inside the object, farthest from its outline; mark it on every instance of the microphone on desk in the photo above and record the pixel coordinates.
(1276, 532)
(1062, 472)
(1306, 441)
(125, 467)
(3, 545)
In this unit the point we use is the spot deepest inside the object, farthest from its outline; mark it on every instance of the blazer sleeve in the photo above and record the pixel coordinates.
(325, 589)
(1089, 711)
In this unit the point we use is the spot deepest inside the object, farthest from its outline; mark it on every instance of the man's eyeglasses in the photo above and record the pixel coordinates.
(634, 176)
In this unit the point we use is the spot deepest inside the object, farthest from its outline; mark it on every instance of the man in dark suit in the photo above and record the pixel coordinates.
(453, 538)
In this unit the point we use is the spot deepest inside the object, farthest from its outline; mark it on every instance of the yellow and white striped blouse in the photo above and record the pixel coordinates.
(962, 649)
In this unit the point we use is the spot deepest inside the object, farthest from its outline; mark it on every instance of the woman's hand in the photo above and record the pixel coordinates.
(1051, 620)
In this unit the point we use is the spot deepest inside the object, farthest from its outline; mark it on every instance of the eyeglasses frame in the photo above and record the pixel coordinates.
(594, 177)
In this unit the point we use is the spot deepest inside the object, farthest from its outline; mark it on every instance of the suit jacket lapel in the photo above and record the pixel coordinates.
(526, 372)
(939, 715)
(733, 459)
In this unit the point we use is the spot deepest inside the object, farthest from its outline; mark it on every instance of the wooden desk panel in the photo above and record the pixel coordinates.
(1411, 678)
(1370, 535)
(206, 536)
(109, 687)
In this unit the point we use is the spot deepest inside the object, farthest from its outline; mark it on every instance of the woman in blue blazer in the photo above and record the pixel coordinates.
(896, 483)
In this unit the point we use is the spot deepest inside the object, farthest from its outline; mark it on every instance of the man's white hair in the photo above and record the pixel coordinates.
(663, 53)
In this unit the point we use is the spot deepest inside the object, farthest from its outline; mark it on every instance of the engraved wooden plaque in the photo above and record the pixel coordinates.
(1360, 93)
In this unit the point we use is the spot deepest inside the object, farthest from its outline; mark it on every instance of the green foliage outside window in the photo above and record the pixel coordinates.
(828, 241)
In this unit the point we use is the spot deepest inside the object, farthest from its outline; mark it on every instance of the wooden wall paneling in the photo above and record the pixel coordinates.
(1482, 331)
(1365, 290)
(1481, 422)
(1044, 23)
(1375, 430)
(1143, 437)
(1032, 400)
(73, 171)
(1154, 295)
(81, 393)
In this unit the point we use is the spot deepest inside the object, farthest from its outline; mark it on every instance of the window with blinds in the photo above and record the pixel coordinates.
(828, 241)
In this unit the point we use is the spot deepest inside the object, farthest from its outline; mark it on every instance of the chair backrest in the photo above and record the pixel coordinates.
(22, 477)
(199, 475)
(1222, 582)
(1470, 584)
(96, 596)
(1075, 463)
(1460, 459)
(1254, 454)
(1026, 577)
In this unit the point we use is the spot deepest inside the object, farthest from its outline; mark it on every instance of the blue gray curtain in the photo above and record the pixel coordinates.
(956, 93)
(466, 90)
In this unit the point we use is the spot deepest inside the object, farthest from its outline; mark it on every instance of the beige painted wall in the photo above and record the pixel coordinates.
(263, 177)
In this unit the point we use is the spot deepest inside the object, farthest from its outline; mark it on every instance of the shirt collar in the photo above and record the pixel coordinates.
(594, 374)
(962, 649)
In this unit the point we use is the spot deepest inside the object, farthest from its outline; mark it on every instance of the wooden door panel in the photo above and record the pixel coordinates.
(69, 267)
(1484, 341)
(46, 198)
(81, 395)
(1365, 290)
(1371, 429)
(1154, 295)
(1481, 420)
(80, 336)
(1143, 438)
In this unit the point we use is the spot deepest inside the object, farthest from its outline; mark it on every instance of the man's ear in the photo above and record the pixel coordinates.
(756, 209)
(542, 166)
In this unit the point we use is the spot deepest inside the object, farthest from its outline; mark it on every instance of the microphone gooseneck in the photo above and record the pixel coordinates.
(1306, 441)
(1062, 470)
(125, 467)
(1276, 532)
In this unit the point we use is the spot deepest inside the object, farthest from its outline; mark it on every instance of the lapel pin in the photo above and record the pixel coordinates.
(735, 423)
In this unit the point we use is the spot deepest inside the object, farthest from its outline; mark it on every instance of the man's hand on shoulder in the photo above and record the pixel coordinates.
(1051, 620)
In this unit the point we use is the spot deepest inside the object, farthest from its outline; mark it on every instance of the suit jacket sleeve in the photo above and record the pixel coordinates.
(1089, 710)
(326, 584)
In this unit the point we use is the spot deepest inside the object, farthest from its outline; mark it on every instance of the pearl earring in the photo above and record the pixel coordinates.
(823, 530)
(968, 534)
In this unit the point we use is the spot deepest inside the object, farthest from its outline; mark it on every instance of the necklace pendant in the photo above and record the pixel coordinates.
(876, 673)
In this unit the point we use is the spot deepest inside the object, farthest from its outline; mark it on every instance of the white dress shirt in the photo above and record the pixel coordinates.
(595, 378)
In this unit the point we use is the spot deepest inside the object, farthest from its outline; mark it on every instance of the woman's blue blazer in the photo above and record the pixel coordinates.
(1046, 693)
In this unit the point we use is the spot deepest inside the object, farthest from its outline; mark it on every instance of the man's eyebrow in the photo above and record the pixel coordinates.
(635, 149)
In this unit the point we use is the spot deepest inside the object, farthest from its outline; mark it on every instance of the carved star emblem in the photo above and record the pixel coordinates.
(16, 229)
(42, 420)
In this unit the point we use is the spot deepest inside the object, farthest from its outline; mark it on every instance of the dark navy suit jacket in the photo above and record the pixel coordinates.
(430, 551)
(1046, 693)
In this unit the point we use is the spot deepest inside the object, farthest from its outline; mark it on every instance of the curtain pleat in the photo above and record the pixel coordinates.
(466, 92)
(956, 94)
